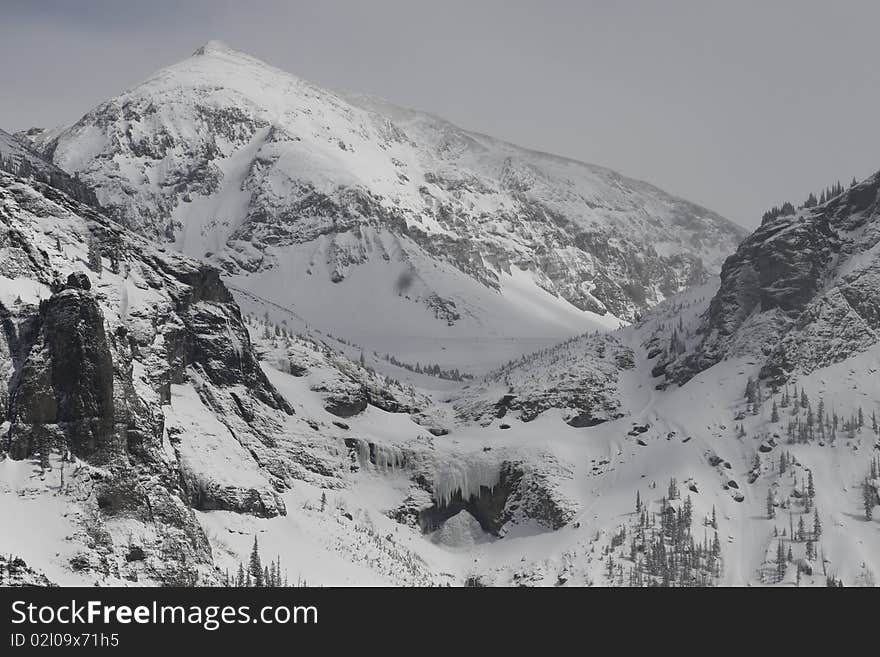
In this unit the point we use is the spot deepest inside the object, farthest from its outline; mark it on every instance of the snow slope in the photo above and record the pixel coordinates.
(587, 477)
(379, 223)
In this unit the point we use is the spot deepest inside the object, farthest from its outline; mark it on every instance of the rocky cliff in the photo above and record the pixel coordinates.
(800, 293)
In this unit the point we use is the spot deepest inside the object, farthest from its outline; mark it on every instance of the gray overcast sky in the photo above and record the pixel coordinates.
(737, 105)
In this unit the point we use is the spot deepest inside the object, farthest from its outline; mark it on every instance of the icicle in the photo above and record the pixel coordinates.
(363, 453)
(388, 457)
(465, 479)
(385, 458)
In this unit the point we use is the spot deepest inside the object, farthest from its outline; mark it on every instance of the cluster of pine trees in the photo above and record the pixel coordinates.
(431, 370)
(662, 548)
(826, 194)
(805, 534)
(808, 529)
(787, 208)
(258, 575)
(268, 328)
(784, 210)
(806, 424)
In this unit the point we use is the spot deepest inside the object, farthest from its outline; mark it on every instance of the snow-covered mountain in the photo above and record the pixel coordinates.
(150, 432)
(331, 381)
(387, 226)
(801, 293)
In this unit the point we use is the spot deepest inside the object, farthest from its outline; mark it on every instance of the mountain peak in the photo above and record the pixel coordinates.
(214, 46)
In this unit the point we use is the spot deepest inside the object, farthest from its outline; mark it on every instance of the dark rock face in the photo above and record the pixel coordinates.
(82, 370)
(79, 281)
(212, 336)
(345, 406)
(585, 419)
(67, 380)
(216, 497)
(801, 292)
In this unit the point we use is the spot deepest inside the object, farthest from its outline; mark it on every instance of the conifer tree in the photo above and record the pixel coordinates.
(780, 561)
(771, 511)
(255, 568)
(239, 578)
(93, 256)
(868, 499)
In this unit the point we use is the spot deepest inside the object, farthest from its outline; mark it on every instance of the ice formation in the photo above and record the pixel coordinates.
(466, 478)
(385, 458)
(388, 457)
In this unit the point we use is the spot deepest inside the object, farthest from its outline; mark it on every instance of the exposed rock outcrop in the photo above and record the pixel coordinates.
(800, 293)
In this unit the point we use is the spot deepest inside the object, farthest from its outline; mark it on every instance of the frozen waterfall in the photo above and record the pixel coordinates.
(384, 458)
(465, 478)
